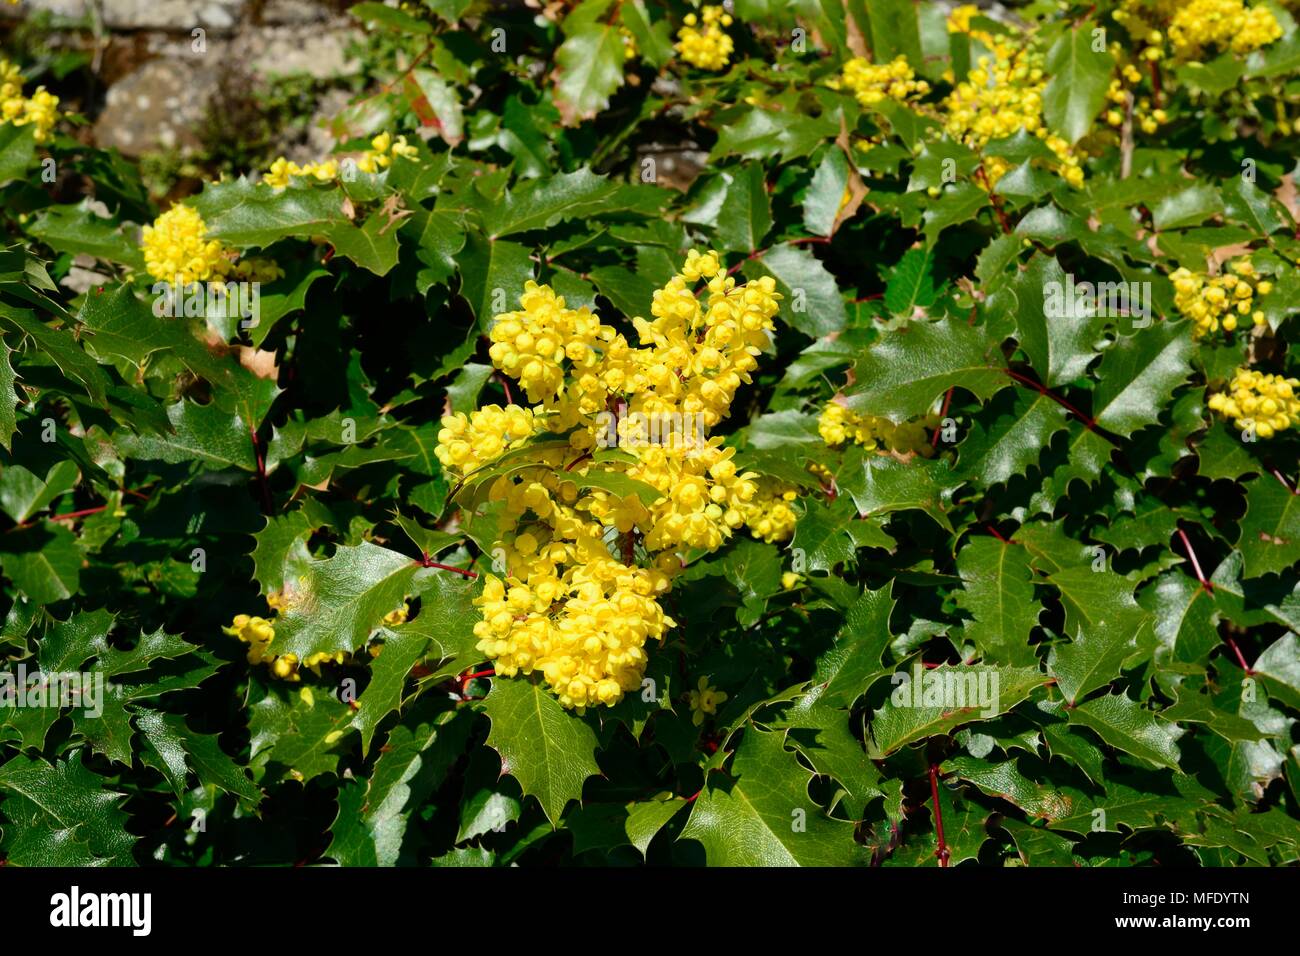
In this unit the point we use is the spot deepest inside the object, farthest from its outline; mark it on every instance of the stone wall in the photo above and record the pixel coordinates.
(162, 62)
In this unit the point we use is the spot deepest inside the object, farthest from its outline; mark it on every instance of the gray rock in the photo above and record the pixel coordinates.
(157, 107)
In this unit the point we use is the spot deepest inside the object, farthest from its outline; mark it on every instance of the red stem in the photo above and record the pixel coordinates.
(1088, 422)
(505, 383)
(426, 563)
(1241, 661)
(1196, 565)
(942, 850)
(261, 471)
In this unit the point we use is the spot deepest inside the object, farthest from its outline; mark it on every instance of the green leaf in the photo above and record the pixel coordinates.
(1080, 75)
(175, 749)
(902, 374)
(881, 484)
(1058, 340)
(8, 399)
(941, 699)
(998, 593)
(653, 39)
(761, 133)
(487, 265)
(540, 204)
(1191, 207)
(374, 815)
(338, 602)
(764, 816)
(830, 534)
(853, 663)
(1279, 668)
(1126, 725)
(62, 349)
(734, 204)
(1270, 529)
(17, 151)
(589, 64)
(43, 561)
(300, 730)
(812, 300)
(62, 803)
(821, 202)
(549, 750)
(201, 433)
(911, 285)
(1008, 438)
(1138, 374)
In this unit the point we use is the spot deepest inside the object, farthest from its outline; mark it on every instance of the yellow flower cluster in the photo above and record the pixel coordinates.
(839, 425)
(1147, 119)
(380, 156)
(768, 514)
(533, 344)
(708, 47)
(40, 109)
(1198, 26)
(1214, 302)
(871, 83)
(177, 246)
(1001, 96)
(1197, 29)
(705, 700)
(1268, 402)
(567, 607)
(467, 442)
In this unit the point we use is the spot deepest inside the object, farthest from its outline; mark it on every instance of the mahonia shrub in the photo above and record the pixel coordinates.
(746, 434)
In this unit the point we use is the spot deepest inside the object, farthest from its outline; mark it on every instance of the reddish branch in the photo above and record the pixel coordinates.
(261, 471)
(942, 850)
(1196, 565)
(1087, 420)
(426, 562)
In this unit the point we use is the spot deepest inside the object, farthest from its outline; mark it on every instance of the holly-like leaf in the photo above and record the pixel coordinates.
(1138, 374)
(338, 602)
(1126, 725)
(998, 593)
(902, 374)
(548, 749)
(1270, 529)
(941, 699)
(1080, 75)
(763, 815)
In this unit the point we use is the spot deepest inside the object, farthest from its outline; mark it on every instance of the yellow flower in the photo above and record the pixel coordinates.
(790, 580)
(708, 48)
(839, 425)
(1219, 302)
(176, 245)
(39, 110)
(705, 700)
(871, 83)
(1267, 403)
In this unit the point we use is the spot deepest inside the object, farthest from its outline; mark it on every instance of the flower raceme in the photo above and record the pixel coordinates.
(872, 83)
(379, 156)
(567, 607)
(703, 42)
(40, 110)
(1266, 402)
(177, 248)
(1220, 302)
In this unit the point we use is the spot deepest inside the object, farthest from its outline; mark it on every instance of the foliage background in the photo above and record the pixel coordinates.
(1122, 688)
